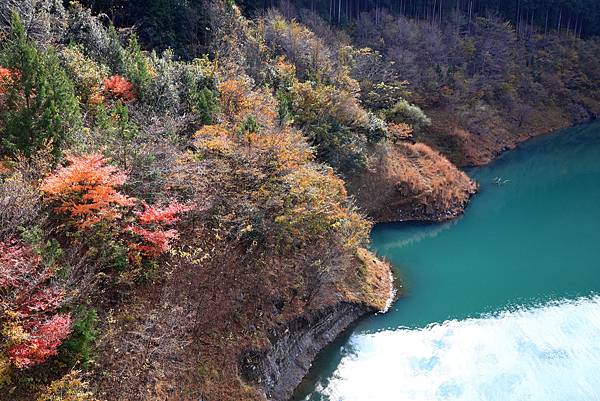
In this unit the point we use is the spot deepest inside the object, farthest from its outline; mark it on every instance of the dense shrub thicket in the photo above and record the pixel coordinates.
(490, 73)
(118, 164)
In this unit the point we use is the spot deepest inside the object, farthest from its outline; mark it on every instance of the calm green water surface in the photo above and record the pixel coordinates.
(498, 305)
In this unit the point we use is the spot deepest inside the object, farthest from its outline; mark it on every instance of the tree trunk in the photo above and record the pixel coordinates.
(559, 20)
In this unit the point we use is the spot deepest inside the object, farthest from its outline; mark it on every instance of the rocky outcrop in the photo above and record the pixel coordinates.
(410, 181)
(279, 370)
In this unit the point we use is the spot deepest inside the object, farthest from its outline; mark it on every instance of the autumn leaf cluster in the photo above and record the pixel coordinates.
(32, 325)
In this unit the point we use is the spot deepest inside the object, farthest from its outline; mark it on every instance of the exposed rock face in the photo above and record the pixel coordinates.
(280, 369)
(409, 182)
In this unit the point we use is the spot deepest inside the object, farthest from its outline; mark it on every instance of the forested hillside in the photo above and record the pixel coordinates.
(578, 17)
(491, 74)
(187, 191)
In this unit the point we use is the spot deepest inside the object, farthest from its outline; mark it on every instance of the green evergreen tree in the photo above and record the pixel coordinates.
(136, 67)
(117, 131)
(79, 347)
(39, 103)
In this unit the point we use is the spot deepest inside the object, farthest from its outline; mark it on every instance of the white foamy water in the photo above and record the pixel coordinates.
(546, 353)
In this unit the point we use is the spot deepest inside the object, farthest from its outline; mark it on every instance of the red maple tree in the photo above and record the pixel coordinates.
(44, 337)
(151, 227)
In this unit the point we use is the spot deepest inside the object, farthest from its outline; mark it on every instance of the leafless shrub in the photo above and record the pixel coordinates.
(19, 203)
(43, 19)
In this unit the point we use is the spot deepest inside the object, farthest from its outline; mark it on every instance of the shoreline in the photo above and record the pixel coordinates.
(521, 139)
(396, 286)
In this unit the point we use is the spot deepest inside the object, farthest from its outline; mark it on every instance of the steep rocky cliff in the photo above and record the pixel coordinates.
(279, 368)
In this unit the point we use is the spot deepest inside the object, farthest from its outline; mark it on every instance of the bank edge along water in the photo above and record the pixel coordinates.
(499, 305)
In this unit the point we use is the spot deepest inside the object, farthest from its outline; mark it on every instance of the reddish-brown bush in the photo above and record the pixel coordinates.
(31, 327)
(44, 337)
(151, 228)
(6, 77)
(119, 87)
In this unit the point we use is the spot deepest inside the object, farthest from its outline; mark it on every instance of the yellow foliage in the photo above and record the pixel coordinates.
(213, 138)
(310, 103)
(68, 388)
(289, 147)
(234, 97)
(275, 173)
(86, 73)
(263, 107)
(314, 103)
(238, 102)
(316, 205)
(284, 68)
(13, 333)
(5, 370)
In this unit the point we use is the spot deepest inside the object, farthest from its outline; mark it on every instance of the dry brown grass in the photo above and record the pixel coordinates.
(411, 182)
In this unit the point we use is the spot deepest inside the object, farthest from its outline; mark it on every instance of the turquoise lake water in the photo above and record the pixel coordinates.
(500, 304)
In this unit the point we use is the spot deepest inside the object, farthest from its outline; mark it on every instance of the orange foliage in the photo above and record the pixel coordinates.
(96, 98)
(86, 190)
(4, 73)
(264, 107)
(238, 101)
(4, 167)
(119, 87)
(213, 138)
(400, 132)
(287, 145)
(234, 97)
(285, 69)
(7, 76)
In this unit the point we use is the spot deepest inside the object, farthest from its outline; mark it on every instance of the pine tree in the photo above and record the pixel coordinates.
(39, 102)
